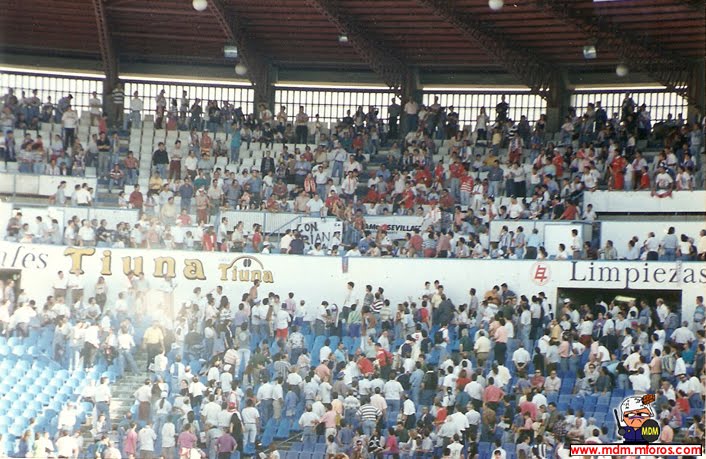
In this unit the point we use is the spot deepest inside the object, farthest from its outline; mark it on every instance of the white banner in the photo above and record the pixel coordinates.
(322, 278)
(316, 230)
(397, 225)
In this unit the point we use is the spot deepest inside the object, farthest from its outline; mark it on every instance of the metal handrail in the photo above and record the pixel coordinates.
(284, 225)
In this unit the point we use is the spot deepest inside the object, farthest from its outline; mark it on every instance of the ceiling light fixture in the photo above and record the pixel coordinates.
(589, 52)
(200, 5)
(496, 5)
(343, 38)
(241, 69)
(230, 52)
(622, 70)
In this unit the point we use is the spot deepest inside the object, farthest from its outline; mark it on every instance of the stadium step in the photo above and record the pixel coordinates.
(122, 400)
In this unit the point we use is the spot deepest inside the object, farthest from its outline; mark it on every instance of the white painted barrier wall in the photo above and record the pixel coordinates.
(528, 225)
(63, 214)
(40, 185)
(621, 232)
(622, 202)
(314, 279)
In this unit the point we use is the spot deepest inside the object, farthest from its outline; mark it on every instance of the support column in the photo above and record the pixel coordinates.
(108, 56)
(264, 92)
(410, 89)
(558, 103)
(697, 91)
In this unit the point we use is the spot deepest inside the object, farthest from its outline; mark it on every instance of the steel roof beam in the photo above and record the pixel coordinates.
(383, 61)
(105, 42)
(634, 50)
(540, 76)
(257, 63)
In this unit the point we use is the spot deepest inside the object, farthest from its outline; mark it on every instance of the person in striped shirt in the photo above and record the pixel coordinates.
(369, 416)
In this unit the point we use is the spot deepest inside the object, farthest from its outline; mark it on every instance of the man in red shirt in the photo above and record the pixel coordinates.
(208, 241)
(457, 172)
(372, 196)
(365, 366)
(131, 169)
(384, 359)
(416, 242)
(441, 414)
(136, 199)
(407, 197)
(467, 183)
(570, 211)
(423, 176)
(492, 394)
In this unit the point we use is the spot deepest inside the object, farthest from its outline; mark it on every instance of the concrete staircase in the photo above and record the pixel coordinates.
(122, 391)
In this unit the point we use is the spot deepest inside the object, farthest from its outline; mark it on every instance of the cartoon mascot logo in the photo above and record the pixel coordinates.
(636, 419)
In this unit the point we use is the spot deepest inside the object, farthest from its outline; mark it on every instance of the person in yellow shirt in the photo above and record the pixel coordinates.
(153, 342)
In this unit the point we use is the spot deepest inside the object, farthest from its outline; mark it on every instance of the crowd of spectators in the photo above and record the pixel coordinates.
(165, 225)
(500, 373)
(607, 154)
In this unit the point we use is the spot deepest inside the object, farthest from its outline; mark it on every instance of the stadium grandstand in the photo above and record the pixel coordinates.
(327, 229)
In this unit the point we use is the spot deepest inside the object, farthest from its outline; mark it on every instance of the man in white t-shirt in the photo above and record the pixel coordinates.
(251, 421)
(393, 390)
(69, 121)
(66, 446)
(282, 321)
(96, 108)
(86, 235)
(411, 108)
(314, 205)
(663, 183)
(588, 179)
(136, 106)
(520, 358)
(83, 196)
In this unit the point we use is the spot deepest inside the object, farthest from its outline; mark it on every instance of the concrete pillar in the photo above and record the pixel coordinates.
(264, 92)
(558, 103)
(697, 91)
(411, 89)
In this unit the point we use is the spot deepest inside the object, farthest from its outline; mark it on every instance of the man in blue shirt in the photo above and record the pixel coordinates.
(255, 187)
(533, 243)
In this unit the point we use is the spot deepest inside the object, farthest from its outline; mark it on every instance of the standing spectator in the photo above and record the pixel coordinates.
(168, 439)
(69, 121)
(131, 166)
(102, 398)
(153, 341)
(146, 439)
(143, 396)
(104, 155)
(225, 445)
(251, 422)
(126, 344)
(136, 106)
(96, 108)
(302, 126)
(136, 199)
(118, 96)
(66, 445)
(175, 161)
(160, 160)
